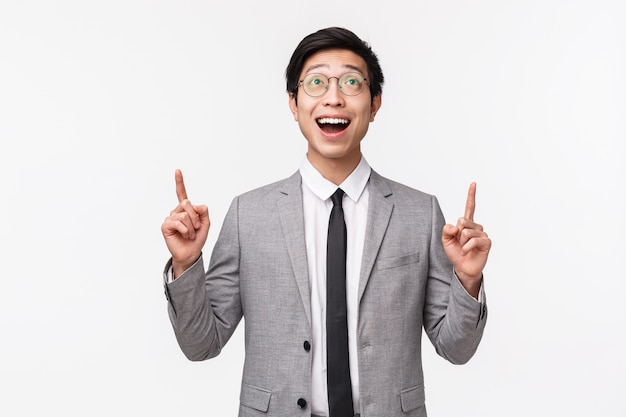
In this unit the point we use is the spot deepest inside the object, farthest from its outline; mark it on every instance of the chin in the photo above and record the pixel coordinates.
(339, 155)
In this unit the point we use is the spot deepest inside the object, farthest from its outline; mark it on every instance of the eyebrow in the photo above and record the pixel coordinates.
(348, 66)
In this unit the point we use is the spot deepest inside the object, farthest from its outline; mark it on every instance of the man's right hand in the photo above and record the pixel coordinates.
(185, 230)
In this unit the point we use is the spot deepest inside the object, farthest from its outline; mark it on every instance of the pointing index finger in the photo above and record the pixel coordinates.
(470, 204)
(181, 193)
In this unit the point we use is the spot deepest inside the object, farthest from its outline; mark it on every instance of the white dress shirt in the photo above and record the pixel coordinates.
(316, 192)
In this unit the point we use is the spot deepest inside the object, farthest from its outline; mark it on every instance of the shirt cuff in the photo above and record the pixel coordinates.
(169, 275)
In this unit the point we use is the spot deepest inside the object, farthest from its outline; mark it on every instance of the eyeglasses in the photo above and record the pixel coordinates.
(350, 84)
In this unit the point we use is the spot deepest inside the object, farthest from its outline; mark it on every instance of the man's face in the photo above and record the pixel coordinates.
(334, 123)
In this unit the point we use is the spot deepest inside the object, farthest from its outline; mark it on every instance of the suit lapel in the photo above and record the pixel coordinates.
(379, 213)
(291, 214)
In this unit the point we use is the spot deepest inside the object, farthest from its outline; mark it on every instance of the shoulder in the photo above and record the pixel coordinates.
(397, 190)
(409, 204)
(272, 191)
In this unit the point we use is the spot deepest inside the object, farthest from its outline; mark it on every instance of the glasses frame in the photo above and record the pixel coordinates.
(365, 81)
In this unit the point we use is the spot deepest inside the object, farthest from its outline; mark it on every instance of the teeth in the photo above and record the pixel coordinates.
(333, 121)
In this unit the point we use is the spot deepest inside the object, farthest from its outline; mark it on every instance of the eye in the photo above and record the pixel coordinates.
(315, 80)
(351, 80)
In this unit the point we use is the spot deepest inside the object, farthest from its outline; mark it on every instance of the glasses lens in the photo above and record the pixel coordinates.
(351, 84)
(315, 84)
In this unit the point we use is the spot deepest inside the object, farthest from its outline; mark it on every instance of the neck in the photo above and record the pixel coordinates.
(335, 170)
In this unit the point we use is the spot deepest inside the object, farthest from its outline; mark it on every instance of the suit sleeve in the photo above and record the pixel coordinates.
(454, 320)
(205, 308)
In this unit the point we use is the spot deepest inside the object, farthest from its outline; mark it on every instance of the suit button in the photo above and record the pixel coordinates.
(301, 403)
(307, 345)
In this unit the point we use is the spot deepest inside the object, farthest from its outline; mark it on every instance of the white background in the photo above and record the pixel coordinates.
(101, 101)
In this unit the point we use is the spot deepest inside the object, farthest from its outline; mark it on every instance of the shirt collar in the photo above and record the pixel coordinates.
(353, 186)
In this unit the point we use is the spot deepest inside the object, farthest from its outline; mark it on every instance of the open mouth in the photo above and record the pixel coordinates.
(332, 124)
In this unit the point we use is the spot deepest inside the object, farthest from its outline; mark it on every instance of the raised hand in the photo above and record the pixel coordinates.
(185, 230)
(467, 246)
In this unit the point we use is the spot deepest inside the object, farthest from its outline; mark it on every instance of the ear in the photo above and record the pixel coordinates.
(293, 106)
(376, 103)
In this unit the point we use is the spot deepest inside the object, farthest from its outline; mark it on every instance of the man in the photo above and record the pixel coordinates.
(317, 344)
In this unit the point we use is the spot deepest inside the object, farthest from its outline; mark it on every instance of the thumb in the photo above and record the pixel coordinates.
(203, 214)
(449, 233)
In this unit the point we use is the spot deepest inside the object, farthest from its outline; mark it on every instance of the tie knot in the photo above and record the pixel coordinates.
(337, 197)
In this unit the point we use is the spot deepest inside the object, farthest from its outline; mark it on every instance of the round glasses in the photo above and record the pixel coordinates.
(350, 84)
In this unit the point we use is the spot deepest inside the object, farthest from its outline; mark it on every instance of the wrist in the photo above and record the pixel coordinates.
(180, 266)
(470, 283)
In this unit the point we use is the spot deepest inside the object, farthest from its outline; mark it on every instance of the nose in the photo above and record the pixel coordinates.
(333, 95)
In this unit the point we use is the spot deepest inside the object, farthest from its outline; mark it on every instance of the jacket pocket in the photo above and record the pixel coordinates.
(412, 398)
(254, 397)
(388, 263)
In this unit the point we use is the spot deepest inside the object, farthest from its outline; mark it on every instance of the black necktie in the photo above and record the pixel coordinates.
(338, 365)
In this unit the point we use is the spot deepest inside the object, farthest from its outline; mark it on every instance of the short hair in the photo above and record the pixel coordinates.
(333, 38)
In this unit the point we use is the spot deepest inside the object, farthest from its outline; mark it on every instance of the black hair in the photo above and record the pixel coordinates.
(333, 38)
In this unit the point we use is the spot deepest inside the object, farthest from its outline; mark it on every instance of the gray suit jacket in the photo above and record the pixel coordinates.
(258, 269)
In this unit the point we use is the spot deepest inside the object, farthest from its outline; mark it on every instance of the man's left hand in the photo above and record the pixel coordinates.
(467, 246)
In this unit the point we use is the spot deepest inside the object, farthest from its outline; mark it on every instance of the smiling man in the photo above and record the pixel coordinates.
(336, 269)
(333, 119)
